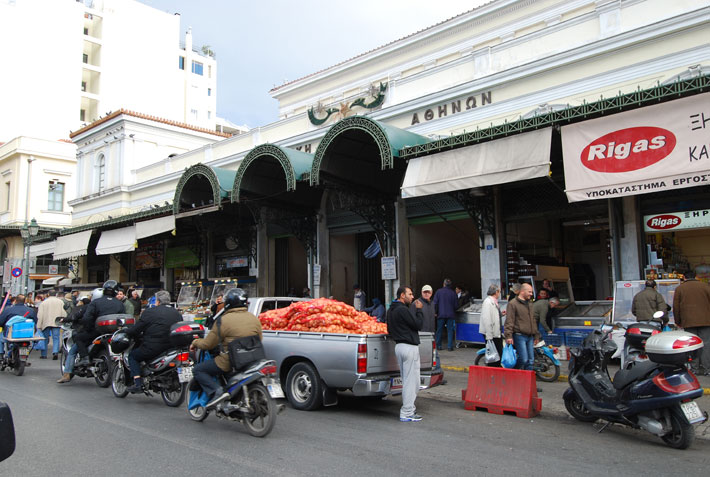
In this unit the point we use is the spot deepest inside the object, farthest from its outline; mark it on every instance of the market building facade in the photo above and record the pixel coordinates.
(373, 155)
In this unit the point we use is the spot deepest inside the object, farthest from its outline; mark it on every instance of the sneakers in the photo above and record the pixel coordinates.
(66, 377)
(54, 356)
(412, 418)
(42, 357)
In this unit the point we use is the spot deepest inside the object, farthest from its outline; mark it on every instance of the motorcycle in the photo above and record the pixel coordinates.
(19, 339)
(655, 395)
(633, 343)
(546, 365)
(162, 374)
(251, 397)
(99, 366)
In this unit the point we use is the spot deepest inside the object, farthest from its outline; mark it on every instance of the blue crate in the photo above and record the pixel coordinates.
(22, 330)
(553, 339)
(574, 339)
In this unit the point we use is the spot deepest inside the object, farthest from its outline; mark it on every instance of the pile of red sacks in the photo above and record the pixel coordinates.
(322, 315)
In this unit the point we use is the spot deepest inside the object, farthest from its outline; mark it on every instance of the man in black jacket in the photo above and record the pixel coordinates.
(404, 328)
(154, 327)
(108, 304)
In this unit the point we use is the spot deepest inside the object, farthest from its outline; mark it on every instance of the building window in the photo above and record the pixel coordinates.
(209, 71)
(102, 172)
(85, 58)
(209, 91)
(209, 114)
(193, 113)
(56, 196)
(83, 85)
(197, 68)
(82, 115)
(7, 197)
(181, 62)
(86, 31)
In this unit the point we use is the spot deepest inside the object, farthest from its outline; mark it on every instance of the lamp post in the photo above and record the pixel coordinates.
(28, 233)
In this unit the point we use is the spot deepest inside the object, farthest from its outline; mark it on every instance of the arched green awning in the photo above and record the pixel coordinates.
(202, 186)
(293, 163)
(389, 141)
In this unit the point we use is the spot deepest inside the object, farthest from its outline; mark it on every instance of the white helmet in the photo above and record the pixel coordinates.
(97, 293)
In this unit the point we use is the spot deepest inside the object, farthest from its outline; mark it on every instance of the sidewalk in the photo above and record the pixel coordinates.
(455, 365)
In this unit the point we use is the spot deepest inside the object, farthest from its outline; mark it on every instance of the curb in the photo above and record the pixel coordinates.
(563, 378)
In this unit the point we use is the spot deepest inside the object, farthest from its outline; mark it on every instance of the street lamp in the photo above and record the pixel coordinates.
(28, 233)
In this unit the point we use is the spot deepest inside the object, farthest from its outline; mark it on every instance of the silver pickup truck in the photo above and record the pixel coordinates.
(313, 367)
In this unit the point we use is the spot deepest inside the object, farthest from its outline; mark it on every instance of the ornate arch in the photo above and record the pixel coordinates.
(192, 171)
(353, 123)
(264, 150)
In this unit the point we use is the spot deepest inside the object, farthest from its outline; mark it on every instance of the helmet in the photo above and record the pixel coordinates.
(120, 342)
(110, 287)
(97, 293)
(235, 298)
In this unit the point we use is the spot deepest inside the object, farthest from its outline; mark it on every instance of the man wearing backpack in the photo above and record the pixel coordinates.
(235, 322)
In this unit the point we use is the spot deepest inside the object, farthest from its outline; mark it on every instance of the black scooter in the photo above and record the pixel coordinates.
(653, 396)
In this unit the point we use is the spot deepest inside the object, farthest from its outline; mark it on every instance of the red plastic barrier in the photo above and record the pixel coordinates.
(501, 390)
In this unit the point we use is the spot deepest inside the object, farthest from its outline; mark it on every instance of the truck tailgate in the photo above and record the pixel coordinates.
(381, 358)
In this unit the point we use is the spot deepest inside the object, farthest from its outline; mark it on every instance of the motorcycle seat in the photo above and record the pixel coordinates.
(624, 377)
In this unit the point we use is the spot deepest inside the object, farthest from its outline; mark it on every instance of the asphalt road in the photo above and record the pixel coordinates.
(80, 429)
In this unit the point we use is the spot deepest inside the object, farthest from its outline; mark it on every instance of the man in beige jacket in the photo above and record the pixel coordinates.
(49, 310)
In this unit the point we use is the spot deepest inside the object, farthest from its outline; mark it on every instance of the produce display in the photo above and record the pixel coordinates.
(322, 315)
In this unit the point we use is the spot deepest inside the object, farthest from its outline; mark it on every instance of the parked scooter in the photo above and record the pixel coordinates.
(99, 366)
(19, 338)
(251, 397)
(656, 395)
(167, 374)
(546, 365)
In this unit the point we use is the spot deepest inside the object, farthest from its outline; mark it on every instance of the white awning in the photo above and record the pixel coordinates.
(64, 282)
(73, 245)
(42, 248)
(515, 158)
(155, 226)
(117, 241)
(52, 281)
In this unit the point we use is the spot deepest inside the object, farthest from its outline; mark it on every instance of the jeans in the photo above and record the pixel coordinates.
(82, 341)
(52, 331)
(409, 365)
(450, 324)
(136, 356)
(205, 374)
(524, 346)
(71, 357)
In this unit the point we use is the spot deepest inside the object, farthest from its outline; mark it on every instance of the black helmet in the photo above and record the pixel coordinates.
(235, 298)
(110, 287)
(120, 342)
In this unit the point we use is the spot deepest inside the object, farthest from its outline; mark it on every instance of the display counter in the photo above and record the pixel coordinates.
(468, 321)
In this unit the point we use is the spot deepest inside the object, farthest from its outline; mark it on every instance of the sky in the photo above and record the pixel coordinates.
(259, 45)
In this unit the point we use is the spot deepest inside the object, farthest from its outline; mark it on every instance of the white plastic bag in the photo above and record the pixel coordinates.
(491, 352)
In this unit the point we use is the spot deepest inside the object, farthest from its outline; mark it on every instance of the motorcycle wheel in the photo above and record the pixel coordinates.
(18, 366)
(682, 434)
(199, 413)
(548, 371)
(103, 370)
(304, 389)
(262, 417)
(118, 382)
(576, 408)
(480, 360)
(174, 398)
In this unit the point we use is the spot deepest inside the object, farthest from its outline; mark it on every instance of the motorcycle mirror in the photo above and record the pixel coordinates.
(7, 432)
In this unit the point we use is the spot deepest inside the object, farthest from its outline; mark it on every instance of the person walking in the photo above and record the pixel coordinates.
(136, 300)
(445, 303)
(428, 312)
(691, 306)
(521, 329)
(127, 304)
(541, 308)
(404, 328)
(491, 318)
(49, 310)
(647, 302)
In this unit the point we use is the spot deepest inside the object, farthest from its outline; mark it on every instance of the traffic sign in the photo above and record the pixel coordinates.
(16, 272)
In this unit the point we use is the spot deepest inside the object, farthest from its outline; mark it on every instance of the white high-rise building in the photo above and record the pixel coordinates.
(68, 63)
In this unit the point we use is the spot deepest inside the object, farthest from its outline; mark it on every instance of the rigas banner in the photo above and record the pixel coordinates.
(651, 149)
(668, 222)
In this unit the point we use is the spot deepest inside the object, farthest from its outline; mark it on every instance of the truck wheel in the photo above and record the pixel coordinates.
(303, 387)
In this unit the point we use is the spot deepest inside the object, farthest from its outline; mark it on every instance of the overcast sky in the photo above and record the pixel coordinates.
(260, 45)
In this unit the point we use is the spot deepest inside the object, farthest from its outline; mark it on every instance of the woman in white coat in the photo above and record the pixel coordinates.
(490, 325)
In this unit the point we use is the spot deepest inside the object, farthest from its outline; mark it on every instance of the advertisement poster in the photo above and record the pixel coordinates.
(149, 256)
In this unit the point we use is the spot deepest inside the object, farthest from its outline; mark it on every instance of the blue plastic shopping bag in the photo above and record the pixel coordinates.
(510, 357)
(40, 344)
(199, 398)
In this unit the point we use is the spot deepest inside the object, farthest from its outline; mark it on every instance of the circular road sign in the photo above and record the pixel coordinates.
(16, 272)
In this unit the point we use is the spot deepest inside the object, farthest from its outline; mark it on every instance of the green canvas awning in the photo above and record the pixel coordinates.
(202, 186)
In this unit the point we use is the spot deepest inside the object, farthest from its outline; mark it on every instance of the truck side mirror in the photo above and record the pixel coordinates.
(7, 432)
